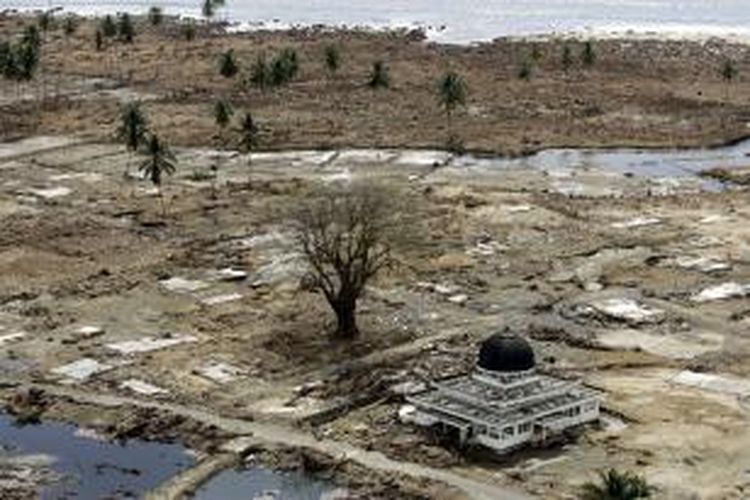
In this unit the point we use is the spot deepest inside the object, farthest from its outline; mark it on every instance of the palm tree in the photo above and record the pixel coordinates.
(45, 21)
(160, 160)
(70, 26)
(108, 27)
(526, 70)
(125, 29)
(589, 54)
(133, 129)
(208, 10)
(125, 32)
(29, 53)
(614, 485)
(379, 77)
(452, 93)
(332, 59)
(155, 16)
(223, 112)
(23, 61)
(567, 58)
(729, 73)
(188, 30)
(284, 67)
(260, 73)
(249, 133)
(228, 67)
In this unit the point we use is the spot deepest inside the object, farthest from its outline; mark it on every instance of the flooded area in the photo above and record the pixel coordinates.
(77, 464)
(260, 483)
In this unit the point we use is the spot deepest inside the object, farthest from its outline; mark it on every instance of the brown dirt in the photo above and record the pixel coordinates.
(639, 93)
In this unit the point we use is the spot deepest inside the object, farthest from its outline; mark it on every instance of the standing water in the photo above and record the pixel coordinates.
(262, 483)
(89, 468)
(461, 21)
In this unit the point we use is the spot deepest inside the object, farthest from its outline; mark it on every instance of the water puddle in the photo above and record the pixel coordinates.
(657, 163)
(81, 466)
(264, 484)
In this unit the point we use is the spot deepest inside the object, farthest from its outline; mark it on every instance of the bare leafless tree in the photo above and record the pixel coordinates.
(347, 235)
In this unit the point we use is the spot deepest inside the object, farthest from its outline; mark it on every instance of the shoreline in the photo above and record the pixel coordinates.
(441, 34)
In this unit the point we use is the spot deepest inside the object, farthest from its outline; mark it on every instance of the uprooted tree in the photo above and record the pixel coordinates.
(347, 236)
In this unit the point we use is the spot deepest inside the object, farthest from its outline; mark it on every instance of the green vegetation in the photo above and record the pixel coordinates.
(281, 70)
(332, 59)
(108, 27)
(526, 70)
(249, 133)
(159, 161)
(379, 76)
(133, 128)
(187, 29)
(615, 485)
(209, 8)
(729, 71)
(260, 74)
(20, 61)
(45, 21)
(451, 92)
(567, 58)
(588, 57)
(228, 67)
(155, 16)
(98, 40)
(284, 67)
(125, 29)
(70, 25)
(536, 53)
(223, 112)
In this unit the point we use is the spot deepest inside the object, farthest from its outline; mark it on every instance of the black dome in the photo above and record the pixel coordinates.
(506, 353)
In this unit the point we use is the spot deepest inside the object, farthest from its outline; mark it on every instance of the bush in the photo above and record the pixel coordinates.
(379, 77)
(284, 67)
(589, 54)
(615, 485)
(526, 70)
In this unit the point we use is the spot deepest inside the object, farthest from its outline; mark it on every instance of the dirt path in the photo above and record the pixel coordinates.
(290, 436)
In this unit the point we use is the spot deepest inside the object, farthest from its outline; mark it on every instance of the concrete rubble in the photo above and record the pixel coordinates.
(702, 264)
(724, 291)
(81, 370)
(148, 344)
(88, 332)
(143, 388)
(11, 337)
(628, 310)
(52, 192)
(726, 384)
(220, 372)
(183, 285)
(230, 274)
(636, 223)
(215, 300)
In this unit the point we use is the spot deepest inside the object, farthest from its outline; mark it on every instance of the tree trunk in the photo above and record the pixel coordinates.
(163, 203)
(346, 319)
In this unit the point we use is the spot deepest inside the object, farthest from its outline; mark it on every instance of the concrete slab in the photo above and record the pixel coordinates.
(148, 344)
(81, 370)
(141, 387)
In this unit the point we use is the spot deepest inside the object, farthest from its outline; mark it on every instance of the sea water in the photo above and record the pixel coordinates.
(461, 21)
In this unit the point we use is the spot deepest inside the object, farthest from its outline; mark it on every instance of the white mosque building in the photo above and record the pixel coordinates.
(504, 403)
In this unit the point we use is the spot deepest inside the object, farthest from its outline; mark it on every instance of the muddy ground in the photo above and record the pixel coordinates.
(102, 294)
(642, 93)
(88, 263)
